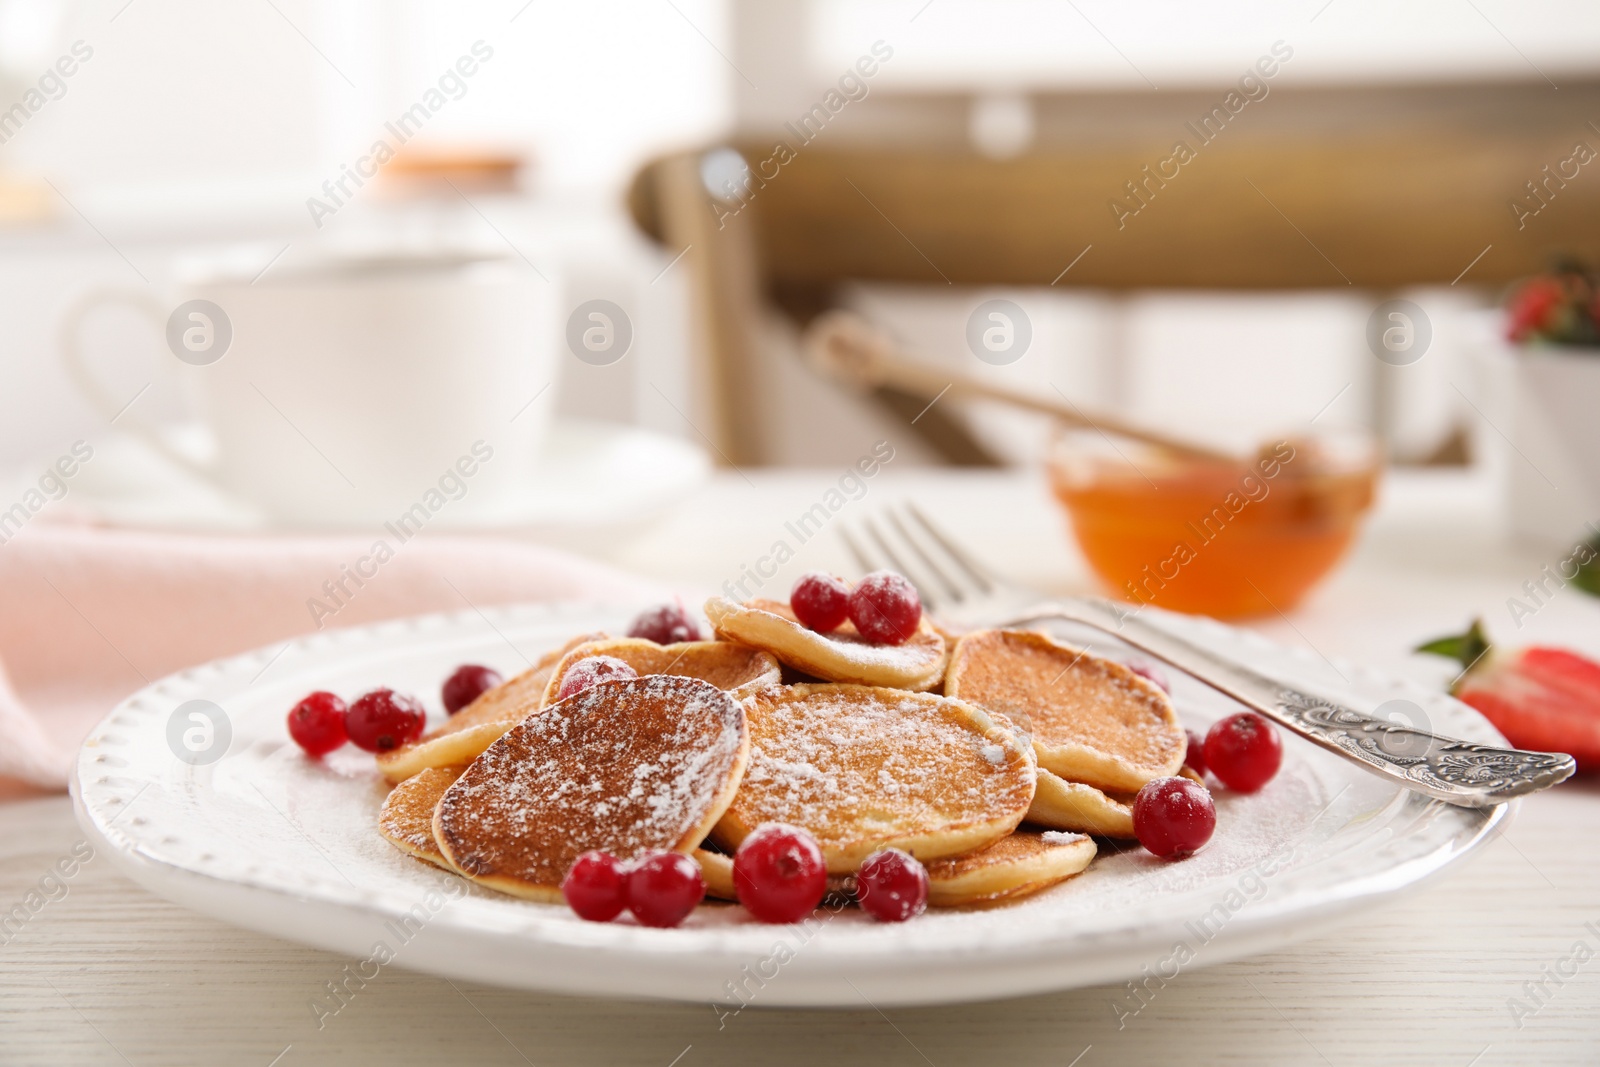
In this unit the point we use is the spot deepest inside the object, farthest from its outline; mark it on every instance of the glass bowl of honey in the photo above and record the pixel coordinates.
(1225, 536)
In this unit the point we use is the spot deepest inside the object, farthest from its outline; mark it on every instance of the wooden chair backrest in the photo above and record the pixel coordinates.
(1374, 212)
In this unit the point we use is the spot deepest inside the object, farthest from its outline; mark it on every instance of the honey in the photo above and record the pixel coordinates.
(1216, 538)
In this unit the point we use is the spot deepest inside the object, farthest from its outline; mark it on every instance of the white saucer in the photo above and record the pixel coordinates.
(270, 840)
(593, 476)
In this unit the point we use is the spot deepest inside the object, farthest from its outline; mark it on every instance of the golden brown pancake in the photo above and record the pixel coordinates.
(1023, 863)
(407, 815)
(475, 727)
(1091, 720)
(865, 768)
(624, 767)
(728, 665)
(841, 656)
(1062, 805)
(717, 870)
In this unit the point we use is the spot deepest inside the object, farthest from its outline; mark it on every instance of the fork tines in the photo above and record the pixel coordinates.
(903, 539)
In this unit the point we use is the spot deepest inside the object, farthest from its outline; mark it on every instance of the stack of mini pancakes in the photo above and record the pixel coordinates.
(992, 758)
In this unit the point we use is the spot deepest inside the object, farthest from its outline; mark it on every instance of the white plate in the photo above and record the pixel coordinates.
(592, 476)
(269, 840)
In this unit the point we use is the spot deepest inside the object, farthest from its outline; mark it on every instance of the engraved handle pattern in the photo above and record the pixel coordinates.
(1440, 766)
(1447, 768)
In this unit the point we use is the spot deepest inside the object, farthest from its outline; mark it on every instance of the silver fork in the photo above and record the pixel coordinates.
(961, 591)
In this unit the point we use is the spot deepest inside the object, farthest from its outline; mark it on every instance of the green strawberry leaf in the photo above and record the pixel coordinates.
(1466, 649)
(1588, 576)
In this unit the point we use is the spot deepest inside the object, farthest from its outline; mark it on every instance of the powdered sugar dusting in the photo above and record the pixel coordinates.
(848, 761)
(623, 766)
(1067, 696)
(407, 814)
(1061, 837)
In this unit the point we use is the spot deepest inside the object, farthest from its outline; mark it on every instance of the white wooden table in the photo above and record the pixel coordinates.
(109, 974)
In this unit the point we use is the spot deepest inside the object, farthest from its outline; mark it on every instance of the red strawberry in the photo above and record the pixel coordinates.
(1532, 308)
(1547, 699)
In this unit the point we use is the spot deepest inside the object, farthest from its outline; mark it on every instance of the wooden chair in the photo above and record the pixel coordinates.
(1378, 210)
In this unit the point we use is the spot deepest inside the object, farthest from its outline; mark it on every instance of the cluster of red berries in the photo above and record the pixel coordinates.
(778, 875)
(884, 607)
(1561, 307)
(660, 888)
(1174, 817)
(379, 719)
(383, 719)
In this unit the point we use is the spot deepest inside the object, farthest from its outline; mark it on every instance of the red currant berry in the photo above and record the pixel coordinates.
(1151, 673)
(663, 888)
(1173, 817)
(595, 887)
(467, 684)
(666, 625)
(885, 608)
(820, 601)
(892, 886)
(317, 724)
(1243, 751)
(382, 719)
(586, 672)
(779, 874)
(1194, 757)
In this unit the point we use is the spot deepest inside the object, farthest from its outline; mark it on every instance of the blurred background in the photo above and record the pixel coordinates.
(721, 172)
(316, 314)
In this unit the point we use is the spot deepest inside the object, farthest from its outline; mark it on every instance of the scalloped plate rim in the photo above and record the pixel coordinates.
(1099, 955)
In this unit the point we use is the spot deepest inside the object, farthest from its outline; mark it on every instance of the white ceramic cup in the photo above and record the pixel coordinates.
(346, 391)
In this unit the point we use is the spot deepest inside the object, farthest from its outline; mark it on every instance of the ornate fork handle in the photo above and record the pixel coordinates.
(1455, 771)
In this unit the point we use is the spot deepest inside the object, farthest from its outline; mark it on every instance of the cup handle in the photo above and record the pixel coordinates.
(94, 390)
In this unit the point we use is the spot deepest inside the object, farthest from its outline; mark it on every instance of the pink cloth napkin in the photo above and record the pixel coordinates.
(88, 615)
